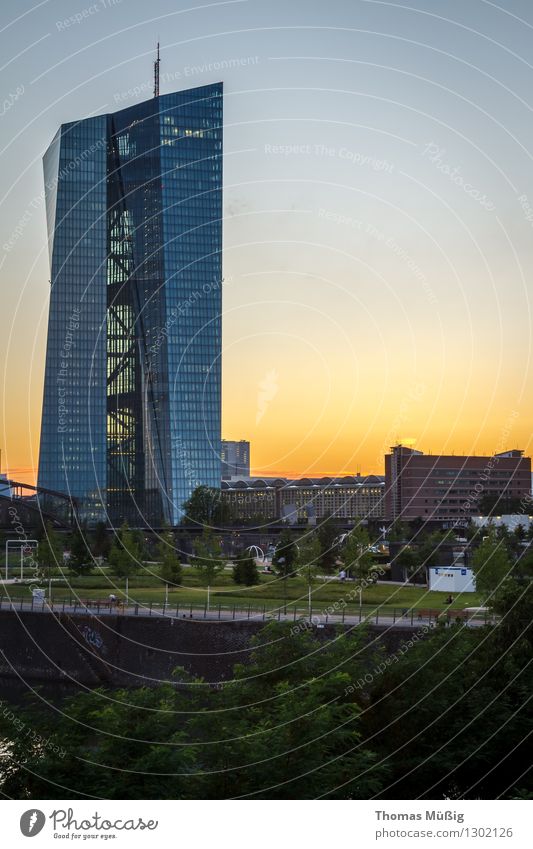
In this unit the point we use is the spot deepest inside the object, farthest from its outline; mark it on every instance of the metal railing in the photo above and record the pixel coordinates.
(291, 612)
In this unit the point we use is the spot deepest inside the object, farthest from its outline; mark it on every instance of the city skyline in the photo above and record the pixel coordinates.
(377, 219)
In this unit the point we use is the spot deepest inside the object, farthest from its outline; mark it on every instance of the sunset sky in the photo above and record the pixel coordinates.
(378, 213)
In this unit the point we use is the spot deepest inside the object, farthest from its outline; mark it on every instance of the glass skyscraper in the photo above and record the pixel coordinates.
(132, 395)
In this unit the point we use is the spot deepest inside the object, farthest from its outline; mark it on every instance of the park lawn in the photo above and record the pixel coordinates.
(146, 589)
(386, 597)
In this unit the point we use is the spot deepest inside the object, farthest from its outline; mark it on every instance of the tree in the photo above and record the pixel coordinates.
(520, 533)
(293, 721)
(208, 557)
(139, 542)
(288, 727)
(285, 555)
(513, 540)
(327, 533)
(491, 566)
(425, 555)
(399, 532)
(80, 561)
(245, 570)
(308, 561)
(355, 555)
(134, 738)
(101, 540)
(309, 556)
(407, 560)
(492, 505)
(284, 560)
(450, 716)
(430, 546)
(523, 567)
(49, 550)
(170, 570)
(206, 507)
(471, 532)
(125, 556)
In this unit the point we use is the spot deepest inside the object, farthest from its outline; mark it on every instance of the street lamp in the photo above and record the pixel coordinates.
(281, 562)
(309, 592)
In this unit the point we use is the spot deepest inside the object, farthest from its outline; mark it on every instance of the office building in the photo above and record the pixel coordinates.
(306, 499)
(235, 458)
(131, 409)
(453, 487)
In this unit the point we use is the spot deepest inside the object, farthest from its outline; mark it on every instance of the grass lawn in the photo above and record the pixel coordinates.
(270, 593)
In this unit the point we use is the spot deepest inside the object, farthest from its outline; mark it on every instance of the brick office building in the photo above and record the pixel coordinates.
(450, 487)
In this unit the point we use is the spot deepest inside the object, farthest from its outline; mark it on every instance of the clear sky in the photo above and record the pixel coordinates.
(378, 212)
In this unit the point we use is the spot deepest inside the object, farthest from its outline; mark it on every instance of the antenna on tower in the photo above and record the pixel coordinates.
(156, 73)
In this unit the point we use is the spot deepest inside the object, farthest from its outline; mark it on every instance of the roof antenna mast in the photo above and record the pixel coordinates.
(156, 73)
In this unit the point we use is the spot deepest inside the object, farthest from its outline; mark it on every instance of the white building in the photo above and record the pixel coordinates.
(452, 579)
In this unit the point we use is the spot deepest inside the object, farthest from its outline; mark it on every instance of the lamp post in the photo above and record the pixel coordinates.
(309, 591)
(281, 562)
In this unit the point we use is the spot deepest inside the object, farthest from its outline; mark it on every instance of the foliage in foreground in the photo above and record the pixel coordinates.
(283, 728)
(445, 715)
(453, 717)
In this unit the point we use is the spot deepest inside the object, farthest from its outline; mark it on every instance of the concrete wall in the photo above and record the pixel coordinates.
(134, 651)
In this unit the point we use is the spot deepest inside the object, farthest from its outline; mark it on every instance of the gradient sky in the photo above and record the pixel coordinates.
(378, 212)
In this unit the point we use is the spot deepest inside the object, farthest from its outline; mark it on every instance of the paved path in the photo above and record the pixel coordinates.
(319, 617)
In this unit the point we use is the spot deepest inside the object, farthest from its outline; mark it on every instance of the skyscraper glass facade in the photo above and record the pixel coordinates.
(131, 410)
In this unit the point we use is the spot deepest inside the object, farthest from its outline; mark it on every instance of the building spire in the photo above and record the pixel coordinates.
(156, 73)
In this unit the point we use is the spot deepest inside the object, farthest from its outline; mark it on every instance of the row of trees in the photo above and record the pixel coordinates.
(316, 551)
(319, 551)
(84, 548)
(125, 553)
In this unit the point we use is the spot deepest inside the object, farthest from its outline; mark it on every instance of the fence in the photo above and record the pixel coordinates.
(319, 617)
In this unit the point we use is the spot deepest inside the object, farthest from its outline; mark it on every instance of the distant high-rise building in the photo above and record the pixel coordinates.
(235, 458)
(131, 409)
(453, 487)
